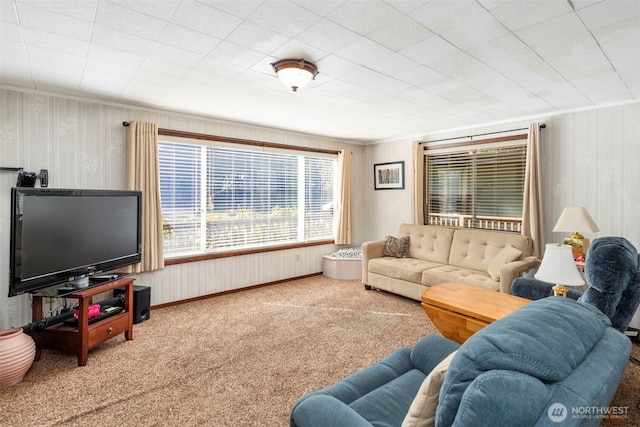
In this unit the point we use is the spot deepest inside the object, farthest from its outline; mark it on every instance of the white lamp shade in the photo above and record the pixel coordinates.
(559, 267)
(295, 77)
(576, 220)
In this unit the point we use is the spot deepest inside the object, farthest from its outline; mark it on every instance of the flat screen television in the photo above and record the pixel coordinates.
(67, 236)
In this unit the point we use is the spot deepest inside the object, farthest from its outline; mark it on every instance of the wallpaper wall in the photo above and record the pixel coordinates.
(588, 158)
(82, 144)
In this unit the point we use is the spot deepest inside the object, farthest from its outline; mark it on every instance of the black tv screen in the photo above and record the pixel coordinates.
(65, 235)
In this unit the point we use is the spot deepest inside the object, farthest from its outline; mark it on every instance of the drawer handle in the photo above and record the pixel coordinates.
(109, 330)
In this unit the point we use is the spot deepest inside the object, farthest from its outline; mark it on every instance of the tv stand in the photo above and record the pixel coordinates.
(83, 337)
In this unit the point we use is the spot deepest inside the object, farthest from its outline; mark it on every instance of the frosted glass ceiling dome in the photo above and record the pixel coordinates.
(295, 73)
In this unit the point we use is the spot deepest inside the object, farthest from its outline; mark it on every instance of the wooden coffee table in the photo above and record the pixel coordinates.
(459, 310)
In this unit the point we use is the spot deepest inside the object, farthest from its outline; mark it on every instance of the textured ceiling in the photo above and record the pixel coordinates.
(388, 69)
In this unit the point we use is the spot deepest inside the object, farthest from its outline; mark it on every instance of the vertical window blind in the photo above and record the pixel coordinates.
(216, 198)
(476, 187)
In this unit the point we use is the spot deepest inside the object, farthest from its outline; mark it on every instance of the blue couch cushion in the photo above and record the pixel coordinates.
(387, 406)
(323, 410)
(430, 350)
(498, 393)
(545, 341)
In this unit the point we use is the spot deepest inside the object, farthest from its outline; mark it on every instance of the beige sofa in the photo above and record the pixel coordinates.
(442, 254)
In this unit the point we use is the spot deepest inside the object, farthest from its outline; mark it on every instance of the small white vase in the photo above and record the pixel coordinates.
(17, 351)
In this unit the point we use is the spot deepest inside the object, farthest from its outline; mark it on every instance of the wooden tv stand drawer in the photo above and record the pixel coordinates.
(86, 336)
(110, 327)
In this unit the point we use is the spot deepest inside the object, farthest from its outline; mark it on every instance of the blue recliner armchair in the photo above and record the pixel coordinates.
(553, 358)
(612, 271)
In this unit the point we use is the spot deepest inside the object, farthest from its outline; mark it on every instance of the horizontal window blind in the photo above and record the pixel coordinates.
(180, 193)
(221, 198)
(252, 199)
(318, 212)
(476, 187)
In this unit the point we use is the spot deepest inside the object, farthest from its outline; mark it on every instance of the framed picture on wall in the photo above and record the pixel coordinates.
(388, 176)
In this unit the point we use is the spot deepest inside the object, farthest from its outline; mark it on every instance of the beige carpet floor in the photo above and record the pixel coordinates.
(241, 359)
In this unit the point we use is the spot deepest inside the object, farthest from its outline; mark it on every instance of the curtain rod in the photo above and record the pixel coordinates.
(542, 126)
(202, 136)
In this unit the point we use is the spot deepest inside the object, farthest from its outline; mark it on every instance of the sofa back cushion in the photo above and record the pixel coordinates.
(428, 242)
(543, 353)
(475, 249)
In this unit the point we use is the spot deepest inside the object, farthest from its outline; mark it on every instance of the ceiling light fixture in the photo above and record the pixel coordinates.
(295, 73)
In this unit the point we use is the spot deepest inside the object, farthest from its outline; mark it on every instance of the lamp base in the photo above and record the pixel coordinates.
(560, 290)
(579, 245)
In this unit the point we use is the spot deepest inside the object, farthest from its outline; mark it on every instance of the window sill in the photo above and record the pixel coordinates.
(216, 255)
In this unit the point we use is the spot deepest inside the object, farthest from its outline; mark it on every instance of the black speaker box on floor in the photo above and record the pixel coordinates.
(141, 302)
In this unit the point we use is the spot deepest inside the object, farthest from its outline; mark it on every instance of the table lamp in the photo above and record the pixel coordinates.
(576, 220)
(559, 267)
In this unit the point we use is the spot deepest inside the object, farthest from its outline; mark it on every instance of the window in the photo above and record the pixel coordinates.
(476, 187)
(216, 198)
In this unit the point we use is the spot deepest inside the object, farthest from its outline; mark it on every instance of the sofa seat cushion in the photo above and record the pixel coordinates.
(450, 273)
(409, 269)
(389, 404)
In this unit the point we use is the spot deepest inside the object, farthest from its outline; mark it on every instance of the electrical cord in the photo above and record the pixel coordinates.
(636, 341)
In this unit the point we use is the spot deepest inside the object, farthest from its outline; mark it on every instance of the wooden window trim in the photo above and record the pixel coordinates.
(518, 137)
(205, 137)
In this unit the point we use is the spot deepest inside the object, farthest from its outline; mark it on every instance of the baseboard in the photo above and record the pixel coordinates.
(245, 288)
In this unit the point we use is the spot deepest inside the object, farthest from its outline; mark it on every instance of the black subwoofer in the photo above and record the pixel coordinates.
(141, 302)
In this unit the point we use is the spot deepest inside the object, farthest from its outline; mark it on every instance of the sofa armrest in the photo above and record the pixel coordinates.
(324, 411)
(328, 406)
(510, 271)
(370, 378)
(533, 289)
(370, 250)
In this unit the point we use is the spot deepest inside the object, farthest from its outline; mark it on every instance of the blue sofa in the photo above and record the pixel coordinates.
(612, 271)
(555, 357)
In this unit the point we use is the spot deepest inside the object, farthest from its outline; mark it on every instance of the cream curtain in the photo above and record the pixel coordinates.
(143, 174)
(418, 183)
(342, 200)
(532, 220)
